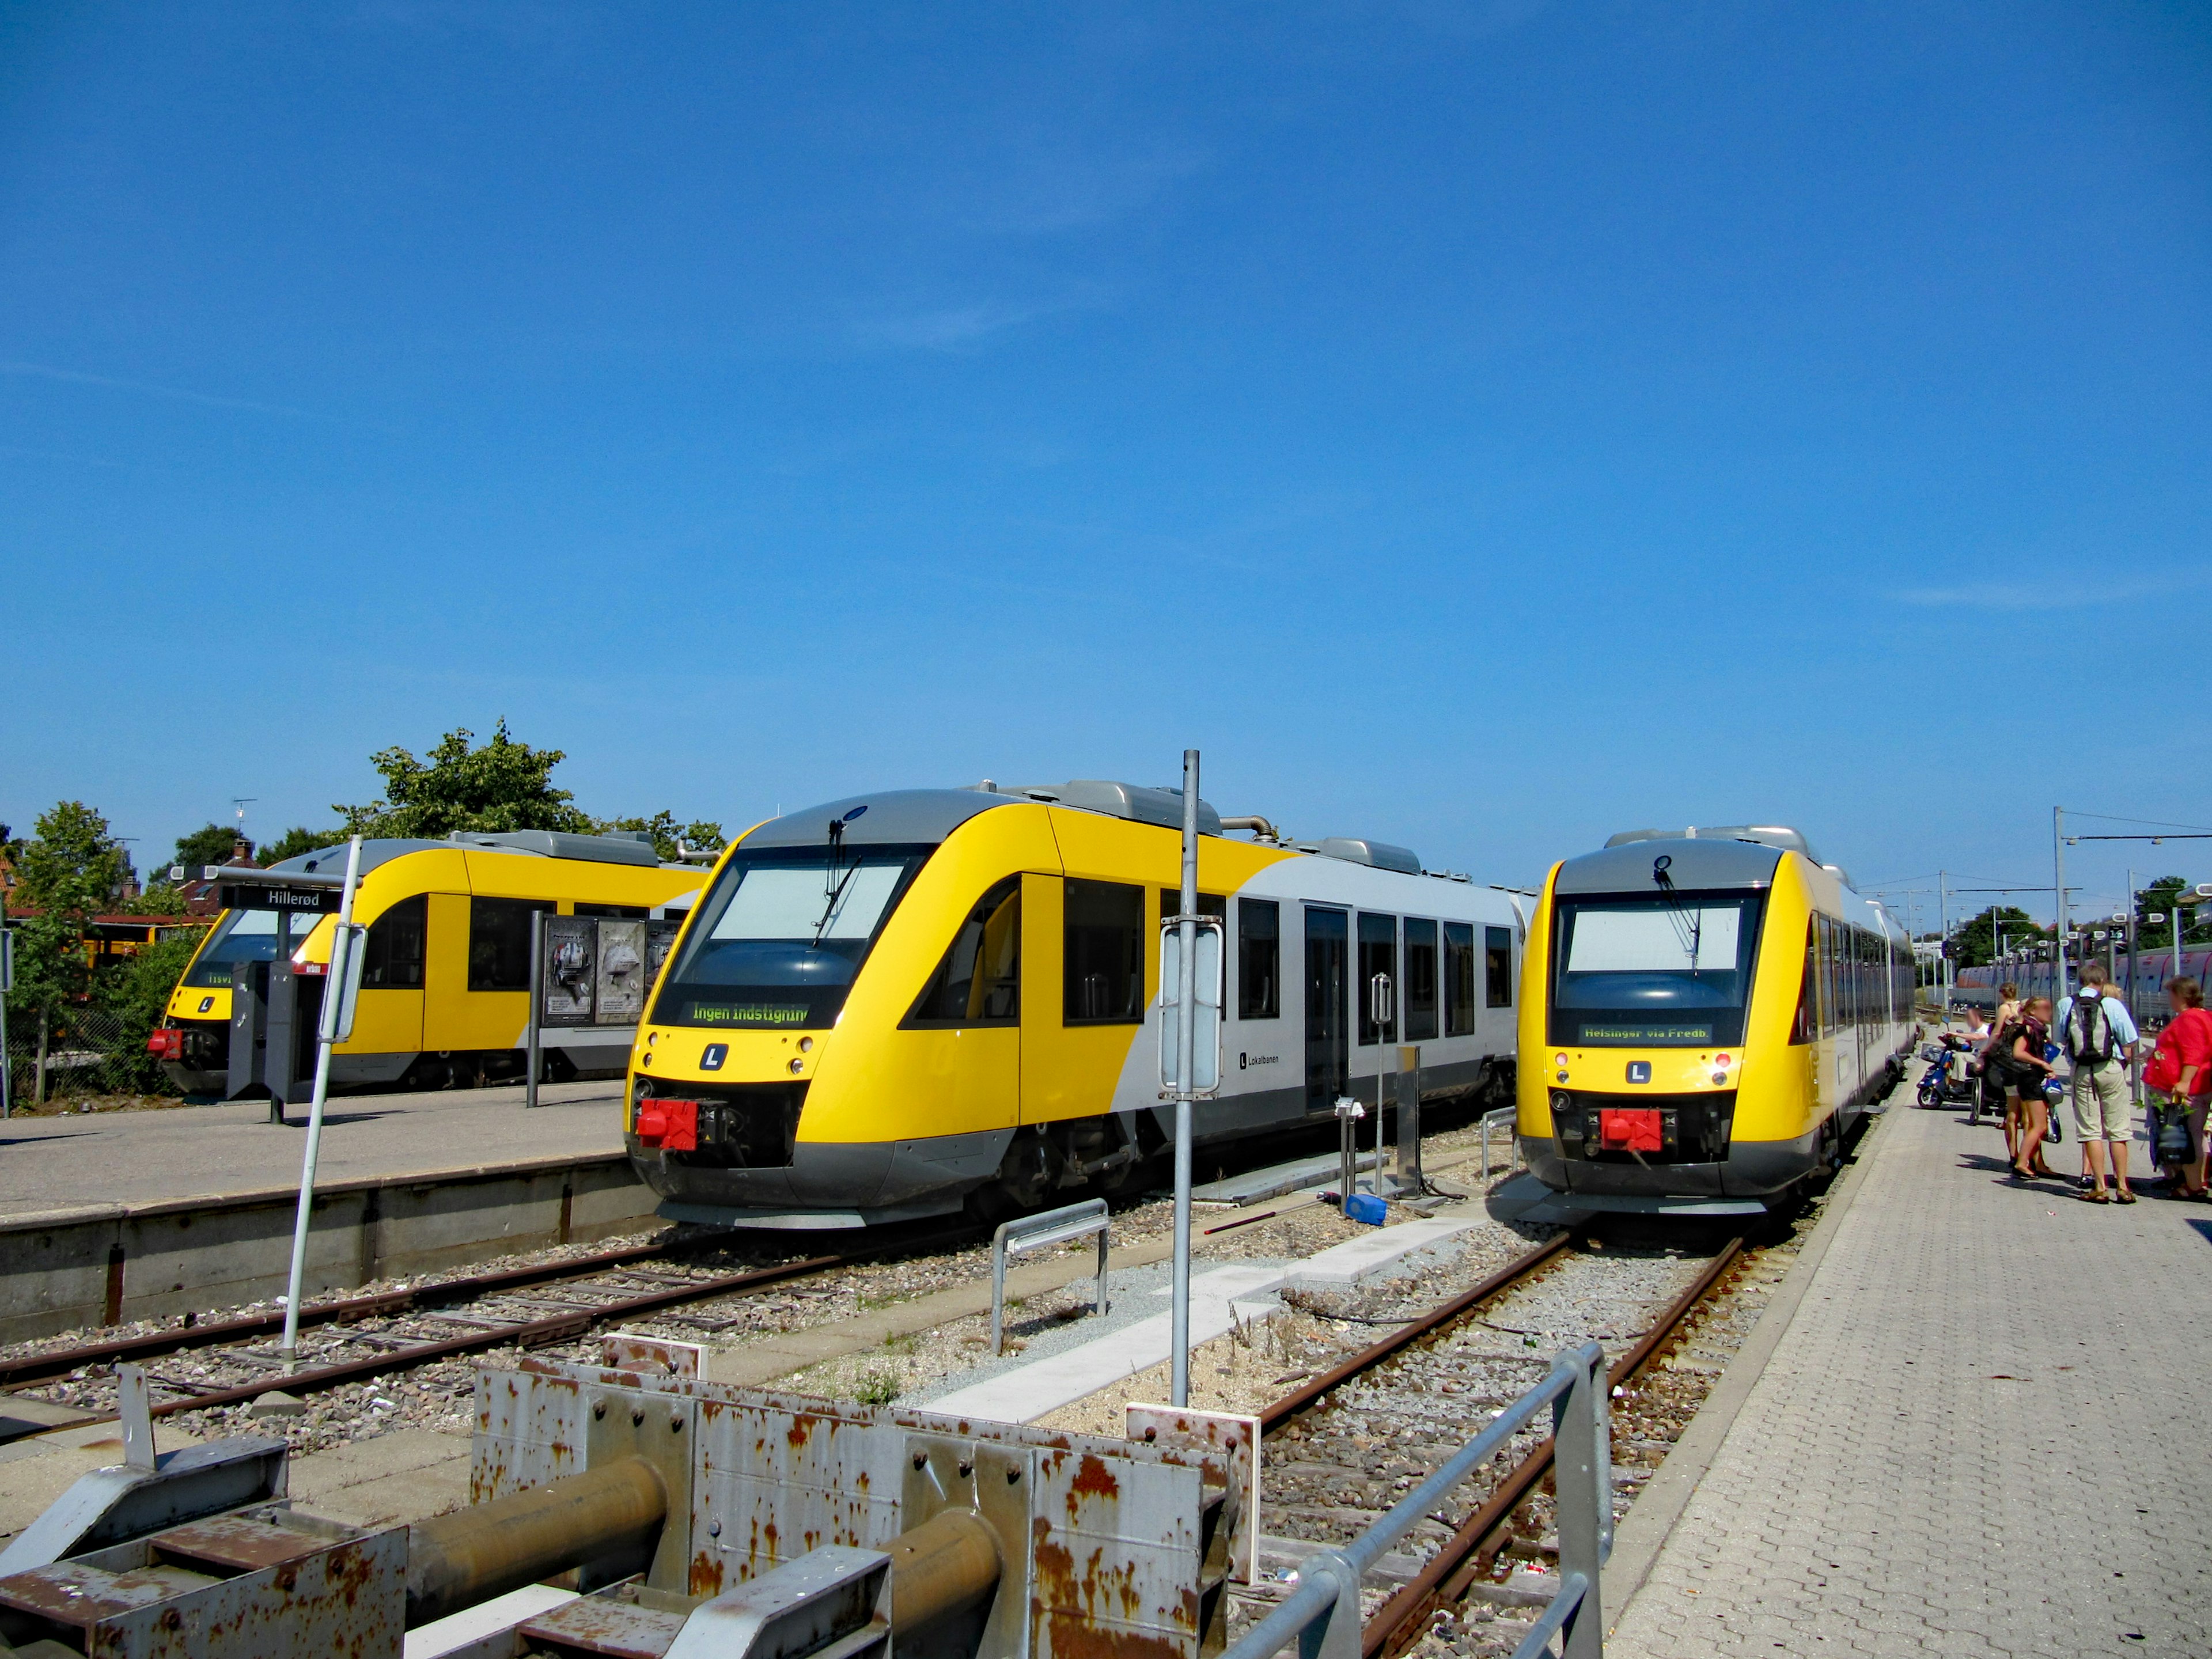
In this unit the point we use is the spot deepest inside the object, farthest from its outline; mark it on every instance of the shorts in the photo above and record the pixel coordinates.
(2101, 1111)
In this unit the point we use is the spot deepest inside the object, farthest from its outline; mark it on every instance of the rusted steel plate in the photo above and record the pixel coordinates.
(237, 1541)
(1227, 1447)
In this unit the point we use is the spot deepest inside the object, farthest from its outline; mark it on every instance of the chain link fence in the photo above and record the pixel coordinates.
(86, 1051)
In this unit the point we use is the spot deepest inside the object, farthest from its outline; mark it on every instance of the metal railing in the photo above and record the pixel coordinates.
(1322, 1614)
(1038, 1232)
(1501, 1117)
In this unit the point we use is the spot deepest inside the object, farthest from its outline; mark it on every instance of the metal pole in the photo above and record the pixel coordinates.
(537, 1004)
(1943, 956)
(334, 986)
(2059, 868)
(7, 1060)
(1186, 1078)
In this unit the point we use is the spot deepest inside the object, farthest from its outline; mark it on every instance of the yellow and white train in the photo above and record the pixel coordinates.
(446, 989)
(887, 1006)
(1703, 1014)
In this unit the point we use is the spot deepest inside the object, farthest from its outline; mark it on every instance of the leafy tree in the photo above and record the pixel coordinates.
(300, 839)
(667, 832)
(1975, 943)
(73, 865)
(154, 901)
(138, 995)
(2159, 896)
(502, 785)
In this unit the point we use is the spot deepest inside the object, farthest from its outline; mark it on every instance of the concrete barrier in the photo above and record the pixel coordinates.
(106, 1264)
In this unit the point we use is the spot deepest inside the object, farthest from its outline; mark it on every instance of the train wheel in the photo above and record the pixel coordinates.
(1025, 1177)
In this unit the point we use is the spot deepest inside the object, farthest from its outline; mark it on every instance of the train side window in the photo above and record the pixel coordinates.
(1258, 958)
(1497, 965)
(1103, 962)
(1459, 979)
(1378, 954)
(1420, 981)
(499, 942)
(1801, 1027)
(392, 957)
(979, 981)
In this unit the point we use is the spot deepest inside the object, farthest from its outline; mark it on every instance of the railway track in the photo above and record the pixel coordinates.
(355, 1338)
(1331, 1437)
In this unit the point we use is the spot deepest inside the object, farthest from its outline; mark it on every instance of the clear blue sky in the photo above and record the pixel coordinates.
(1481, 426)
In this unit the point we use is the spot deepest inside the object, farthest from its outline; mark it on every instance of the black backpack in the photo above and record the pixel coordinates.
(2089, 1037)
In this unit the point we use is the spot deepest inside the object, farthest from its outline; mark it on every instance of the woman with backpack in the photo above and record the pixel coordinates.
(2181, 1069)
(2016, 1056)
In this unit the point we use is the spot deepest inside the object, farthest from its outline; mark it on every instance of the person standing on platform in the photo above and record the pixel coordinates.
(2017, 1051)
(2183, 1068)
(2098, 1038)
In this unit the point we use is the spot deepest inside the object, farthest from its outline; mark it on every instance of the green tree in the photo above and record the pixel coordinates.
(667, 832)
(1975, 942)
(502, 785)
(299, 840)
(137, 995)
(73, 865)
(2158, 899)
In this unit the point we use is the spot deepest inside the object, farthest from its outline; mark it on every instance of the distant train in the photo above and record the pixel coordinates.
(1703, 1014)
(2141, 980)
(445, 991)
(892, 1004)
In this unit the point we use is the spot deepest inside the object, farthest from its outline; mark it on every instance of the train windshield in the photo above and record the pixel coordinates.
(1670, 971)
(243, 936)
(781, 936)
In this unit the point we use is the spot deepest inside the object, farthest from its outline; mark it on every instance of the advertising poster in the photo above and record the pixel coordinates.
(660, 935)
(570, 970)
(621, 979)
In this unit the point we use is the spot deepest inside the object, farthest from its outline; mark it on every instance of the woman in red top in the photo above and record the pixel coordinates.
(2188, 1036)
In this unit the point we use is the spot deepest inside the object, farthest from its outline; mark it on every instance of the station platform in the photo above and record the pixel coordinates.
(1979, 1425)
(59, 1167)
(111, 1217)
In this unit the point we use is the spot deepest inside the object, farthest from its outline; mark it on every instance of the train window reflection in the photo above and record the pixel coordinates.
(1669, 971)
(1420, 981)
(241, 936)
(1258, 958)
(778, 939)
(1103, 956)
(1497, 966)
(979, 981)
(1459, 979)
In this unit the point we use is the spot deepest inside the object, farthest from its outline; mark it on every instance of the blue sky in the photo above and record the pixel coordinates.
(1480, 426)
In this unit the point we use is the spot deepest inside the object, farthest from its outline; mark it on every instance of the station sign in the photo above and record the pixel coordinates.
(260, 895)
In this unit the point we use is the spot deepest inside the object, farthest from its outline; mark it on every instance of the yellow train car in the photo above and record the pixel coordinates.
(444, 991)
(1703, 1014)
(889, 1005)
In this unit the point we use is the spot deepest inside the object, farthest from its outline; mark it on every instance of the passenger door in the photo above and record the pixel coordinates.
(1328, 1053)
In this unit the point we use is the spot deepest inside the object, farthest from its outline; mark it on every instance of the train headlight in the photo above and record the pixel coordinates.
(797, 1066)
(1559, 1060)
(1563, 1101)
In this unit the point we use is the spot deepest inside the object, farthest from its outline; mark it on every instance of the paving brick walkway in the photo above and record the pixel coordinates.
(1987, 1431)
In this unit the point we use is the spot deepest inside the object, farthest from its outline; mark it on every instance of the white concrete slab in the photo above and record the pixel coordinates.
(1218, 1300)
(1342, 1265)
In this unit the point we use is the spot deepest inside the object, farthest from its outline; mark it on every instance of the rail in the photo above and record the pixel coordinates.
(1323, 1617)
(1036, 1232)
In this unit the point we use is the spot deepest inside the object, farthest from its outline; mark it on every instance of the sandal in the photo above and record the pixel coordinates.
(2094, 1196)
(2125, 1195)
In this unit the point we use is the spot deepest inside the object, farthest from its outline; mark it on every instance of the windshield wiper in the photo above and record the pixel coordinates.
(1689, 925)
(832, 883)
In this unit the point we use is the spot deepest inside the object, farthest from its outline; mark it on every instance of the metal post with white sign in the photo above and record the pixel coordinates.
(341, 990)
(1382, 1011)
(536, 1006)
(1190, 1051)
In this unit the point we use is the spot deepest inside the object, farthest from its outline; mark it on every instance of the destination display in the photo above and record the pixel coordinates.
(257, 896)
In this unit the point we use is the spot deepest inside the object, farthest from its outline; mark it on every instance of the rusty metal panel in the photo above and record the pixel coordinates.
(343, 1601)
(530, 1431)
(1228, 1447)
(775, 1481)
(634, 1351)
(661, 1426)
(618, 1623)
(1116, 1557)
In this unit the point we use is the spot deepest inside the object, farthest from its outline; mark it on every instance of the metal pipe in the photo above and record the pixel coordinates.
(1187, 1081)
(1258, 824)
(948, 1566)
(457, 1560)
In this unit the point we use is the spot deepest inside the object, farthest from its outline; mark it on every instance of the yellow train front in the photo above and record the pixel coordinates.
(1704, 1013)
